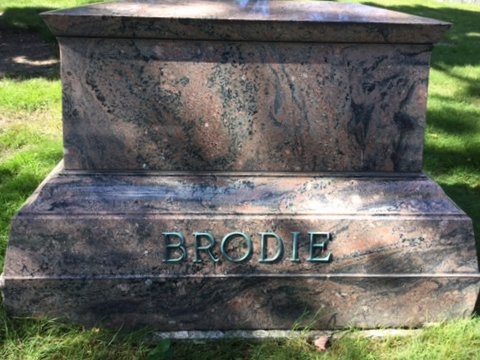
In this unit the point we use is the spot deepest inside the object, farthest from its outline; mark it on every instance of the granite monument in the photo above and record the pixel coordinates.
(242, 165)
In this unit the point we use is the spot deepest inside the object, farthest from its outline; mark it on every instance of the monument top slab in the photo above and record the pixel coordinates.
(227, 20)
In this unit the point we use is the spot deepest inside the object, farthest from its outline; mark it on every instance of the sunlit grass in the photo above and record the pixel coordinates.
(32, 339)
(29, 95)
(30, 141)
(23, 14)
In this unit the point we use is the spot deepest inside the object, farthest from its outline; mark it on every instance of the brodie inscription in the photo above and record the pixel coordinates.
(238, 247)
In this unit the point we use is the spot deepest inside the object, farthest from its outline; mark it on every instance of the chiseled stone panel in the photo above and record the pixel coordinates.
(256, 106)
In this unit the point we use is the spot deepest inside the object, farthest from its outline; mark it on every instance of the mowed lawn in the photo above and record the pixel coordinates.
(31, 145)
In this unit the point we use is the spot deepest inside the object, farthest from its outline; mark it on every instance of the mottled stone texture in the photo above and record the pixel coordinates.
(92, 248)
(215, 106)
(242, 168)
(210, 86)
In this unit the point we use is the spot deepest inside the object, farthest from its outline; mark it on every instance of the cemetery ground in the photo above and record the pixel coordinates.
(31, 145)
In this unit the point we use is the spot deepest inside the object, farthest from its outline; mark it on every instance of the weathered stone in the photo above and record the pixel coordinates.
(229, 169)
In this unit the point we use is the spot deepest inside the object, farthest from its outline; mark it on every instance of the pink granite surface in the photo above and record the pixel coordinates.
(242, 168)
(106, 225)
(244, 303)
(175, 86)
(94, 249)
(314, 21)
(217, 106)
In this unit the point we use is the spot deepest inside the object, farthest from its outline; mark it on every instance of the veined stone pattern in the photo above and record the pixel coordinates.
(234, 106)
(240, 166)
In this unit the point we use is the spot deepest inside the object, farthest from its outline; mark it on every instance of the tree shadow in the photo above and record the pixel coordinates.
(453, 118)
(27, 46)
(26, 18)
(461, 46)
(460, 193)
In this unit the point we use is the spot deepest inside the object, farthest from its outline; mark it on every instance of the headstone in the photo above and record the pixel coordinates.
(242, 165)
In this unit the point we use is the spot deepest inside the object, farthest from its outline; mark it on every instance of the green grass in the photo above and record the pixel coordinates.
(29, 95)
(33, 339)
(23, 14)
(30, 146)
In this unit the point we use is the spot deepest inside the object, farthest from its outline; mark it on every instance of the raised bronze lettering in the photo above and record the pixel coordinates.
(322, 246)
(169, 247)
(295, 257)
(238, 247)
(207, 248)
(249, 247)
(264, 246)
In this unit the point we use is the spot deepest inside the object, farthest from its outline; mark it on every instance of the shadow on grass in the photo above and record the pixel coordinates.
(453, 118)
(20, 337)
(26, 18)
(28, 48)
(461, 44)
(457, 192)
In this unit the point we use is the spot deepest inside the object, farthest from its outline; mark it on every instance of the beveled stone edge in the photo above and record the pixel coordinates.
(98, 20)
(59, 173)
(474, 275)
(333, 174)
(60, 170)
(38, 190)
(258, 335)
(402, 35)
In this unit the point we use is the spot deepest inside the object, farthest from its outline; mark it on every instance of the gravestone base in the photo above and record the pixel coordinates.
(230, 251)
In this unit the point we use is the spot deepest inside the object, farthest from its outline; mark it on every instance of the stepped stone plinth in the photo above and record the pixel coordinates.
(242, 165)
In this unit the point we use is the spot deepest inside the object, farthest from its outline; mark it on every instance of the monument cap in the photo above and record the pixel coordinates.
(227, 20)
